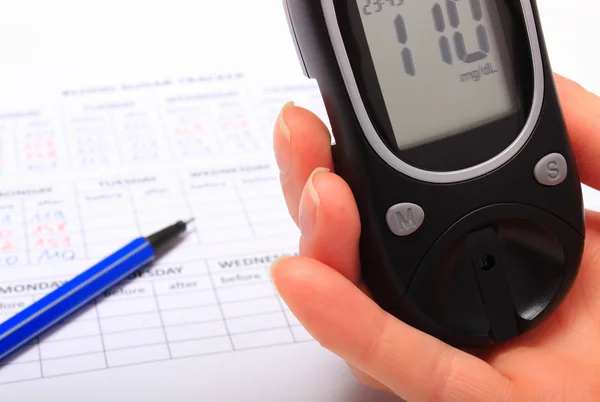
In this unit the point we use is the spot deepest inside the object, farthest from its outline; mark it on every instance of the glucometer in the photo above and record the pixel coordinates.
(448, 129)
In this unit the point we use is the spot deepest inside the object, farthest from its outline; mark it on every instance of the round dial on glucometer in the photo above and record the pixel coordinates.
(449, 132)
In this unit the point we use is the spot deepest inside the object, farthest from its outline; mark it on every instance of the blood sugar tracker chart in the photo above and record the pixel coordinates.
(102, 165)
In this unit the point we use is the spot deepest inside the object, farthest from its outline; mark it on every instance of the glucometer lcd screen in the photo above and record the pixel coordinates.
(443, 67)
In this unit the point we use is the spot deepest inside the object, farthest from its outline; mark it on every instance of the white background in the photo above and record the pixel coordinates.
(49, 43)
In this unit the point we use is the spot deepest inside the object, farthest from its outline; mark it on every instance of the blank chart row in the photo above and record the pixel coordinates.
(143, 347)
(20, 372)
(71, 347)
(202, 330)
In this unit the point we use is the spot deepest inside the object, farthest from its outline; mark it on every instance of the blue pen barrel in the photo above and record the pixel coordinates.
(74, 295)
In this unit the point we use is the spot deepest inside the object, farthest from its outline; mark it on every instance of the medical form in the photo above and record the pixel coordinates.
(107, 164)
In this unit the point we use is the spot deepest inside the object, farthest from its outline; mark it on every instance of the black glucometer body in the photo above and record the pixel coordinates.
(449, 132)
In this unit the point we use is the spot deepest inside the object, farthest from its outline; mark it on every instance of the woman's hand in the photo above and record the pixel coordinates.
(559, 360)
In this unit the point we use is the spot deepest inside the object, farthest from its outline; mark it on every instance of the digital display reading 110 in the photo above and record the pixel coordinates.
(447, 58)
(440, 23)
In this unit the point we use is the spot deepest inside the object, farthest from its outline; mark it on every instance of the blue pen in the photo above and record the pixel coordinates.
(78, 292)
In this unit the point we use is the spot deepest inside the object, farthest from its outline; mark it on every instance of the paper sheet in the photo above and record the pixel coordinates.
(96, 170)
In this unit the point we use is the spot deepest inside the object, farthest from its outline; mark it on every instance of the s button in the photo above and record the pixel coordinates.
(551, 170)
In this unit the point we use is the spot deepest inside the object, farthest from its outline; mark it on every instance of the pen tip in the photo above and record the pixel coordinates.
(190, 221)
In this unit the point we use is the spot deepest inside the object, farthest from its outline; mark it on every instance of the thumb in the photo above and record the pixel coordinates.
(415, 366)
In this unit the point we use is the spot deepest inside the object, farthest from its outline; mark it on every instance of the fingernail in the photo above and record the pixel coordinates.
(283, 151)
(309, 209)
(276, 263)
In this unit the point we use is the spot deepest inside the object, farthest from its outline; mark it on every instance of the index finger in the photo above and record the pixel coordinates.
(581, 109)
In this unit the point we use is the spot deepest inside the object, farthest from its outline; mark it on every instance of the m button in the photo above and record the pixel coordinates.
(405, 219)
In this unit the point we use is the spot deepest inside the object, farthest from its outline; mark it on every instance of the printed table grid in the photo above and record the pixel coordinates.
(194, 309)
(86, 219)
(147, 128)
